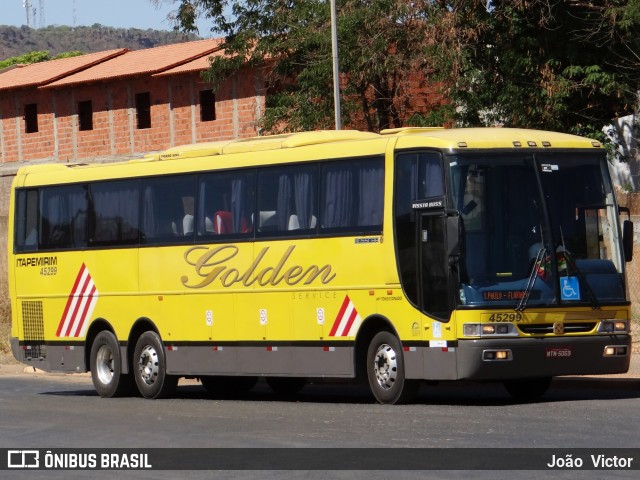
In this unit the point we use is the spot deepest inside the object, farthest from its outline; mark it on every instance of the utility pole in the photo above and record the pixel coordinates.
(27, 7)
(336, 70)
(42, 22)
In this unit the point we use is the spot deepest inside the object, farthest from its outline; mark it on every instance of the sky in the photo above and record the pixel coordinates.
(112, 13)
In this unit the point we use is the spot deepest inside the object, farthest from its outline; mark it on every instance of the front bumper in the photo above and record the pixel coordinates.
(542, 357)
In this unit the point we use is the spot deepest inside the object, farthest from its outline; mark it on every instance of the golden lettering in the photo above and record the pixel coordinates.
(314, 272)
(291, 274)
(214, 264)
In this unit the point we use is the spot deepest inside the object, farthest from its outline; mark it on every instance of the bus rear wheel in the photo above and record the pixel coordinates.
(150, 368)
(385, 370)
(105, 364)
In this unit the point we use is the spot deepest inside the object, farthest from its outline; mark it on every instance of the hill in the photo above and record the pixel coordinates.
(16, 41)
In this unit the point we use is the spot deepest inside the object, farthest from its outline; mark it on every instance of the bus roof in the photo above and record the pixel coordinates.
(354, 143)
(482, 138)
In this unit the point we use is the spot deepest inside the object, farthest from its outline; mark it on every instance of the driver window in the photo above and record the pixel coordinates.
(474, 200)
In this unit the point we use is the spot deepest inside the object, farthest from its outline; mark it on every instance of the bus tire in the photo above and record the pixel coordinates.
(105, 364)
(150, 368)
(385, 370)
(528, 389)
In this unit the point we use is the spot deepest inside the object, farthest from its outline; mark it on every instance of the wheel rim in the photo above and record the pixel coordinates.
(385, 366)
(104, 365)
(148, 365)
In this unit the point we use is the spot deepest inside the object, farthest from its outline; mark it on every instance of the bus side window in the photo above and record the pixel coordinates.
(63, 217)
(26, 223)
(287, 199)
(353, 195)
(168, 209)
(115, 212)
(225, 204)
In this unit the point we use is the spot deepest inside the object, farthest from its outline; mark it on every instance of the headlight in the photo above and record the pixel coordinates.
(613, 326)
(488, 329)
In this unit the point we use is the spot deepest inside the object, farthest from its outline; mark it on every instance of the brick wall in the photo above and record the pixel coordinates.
(175, 118)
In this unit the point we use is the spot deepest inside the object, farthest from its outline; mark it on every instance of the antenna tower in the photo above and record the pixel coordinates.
(27, 8)
(42, 22)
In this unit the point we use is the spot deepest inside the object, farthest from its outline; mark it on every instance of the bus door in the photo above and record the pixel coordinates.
(433, 265)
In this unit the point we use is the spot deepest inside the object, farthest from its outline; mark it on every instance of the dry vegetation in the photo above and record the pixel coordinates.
(16, 41)
(5, 306)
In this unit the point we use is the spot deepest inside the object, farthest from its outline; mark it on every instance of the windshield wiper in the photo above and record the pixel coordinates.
(532, 280)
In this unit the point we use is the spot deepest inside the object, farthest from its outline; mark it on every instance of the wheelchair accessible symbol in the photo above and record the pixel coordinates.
(569, 288)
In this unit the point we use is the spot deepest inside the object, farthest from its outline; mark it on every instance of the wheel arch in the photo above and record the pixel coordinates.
(369, 328)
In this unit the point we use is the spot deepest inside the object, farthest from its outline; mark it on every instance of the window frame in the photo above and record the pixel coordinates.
(85, 115)
(143, 110)
(31, 118)
(207, 105)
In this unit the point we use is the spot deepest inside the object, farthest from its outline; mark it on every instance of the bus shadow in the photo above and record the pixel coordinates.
(444, 393)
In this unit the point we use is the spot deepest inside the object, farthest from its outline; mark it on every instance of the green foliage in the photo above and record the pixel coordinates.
(35, 57)
(563, 65)
(27, 58)
(559, 65)
(382, 49)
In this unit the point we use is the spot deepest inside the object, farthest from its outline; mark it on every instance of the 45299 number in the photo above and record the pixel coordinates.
(48, 271)
(505, 317)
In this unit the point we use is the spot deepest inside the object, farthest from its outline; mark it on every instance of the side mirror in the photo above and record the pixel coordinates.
(627, 240)
(455, 236)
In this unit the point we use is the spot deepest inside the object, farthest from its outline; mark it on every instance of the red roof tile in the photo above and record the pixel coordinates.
(138, 62)
(195, 65)
(41, 73)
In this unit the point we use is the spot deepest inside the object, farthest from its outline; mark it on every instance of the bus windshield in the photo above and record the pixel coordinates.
(538, 230)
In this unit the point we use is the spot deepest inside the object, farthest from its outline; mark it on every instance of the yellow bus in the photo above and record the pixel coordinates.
(414, 254)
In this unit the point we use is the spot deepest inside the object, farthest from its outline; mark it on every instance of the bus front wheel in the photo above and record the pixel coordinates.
(385, 370)
(105, 364)
(150, 368)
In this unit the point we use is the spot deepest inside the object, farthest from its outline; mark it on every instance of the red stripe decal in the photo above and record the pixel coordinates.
(338, 319)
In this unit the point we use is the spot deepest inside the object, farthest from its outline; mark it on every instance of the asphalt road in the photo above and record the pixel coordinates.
(63, 411)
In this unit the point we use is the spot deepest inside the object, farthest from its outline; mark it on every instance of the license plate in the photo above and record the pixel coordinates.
(558, 352)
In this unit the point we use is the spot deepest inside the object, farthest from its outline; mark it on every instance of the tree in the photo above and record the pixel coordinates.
(385, 58)
(565, 65)
(35, 57)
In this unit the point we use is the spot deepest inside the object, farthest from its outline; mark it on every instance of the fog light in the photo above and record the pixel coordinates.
(496, 355)
(615, 351)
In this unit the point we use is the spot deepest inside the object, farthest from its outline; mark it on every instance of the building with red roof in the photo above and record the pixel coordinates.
(119, 103)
